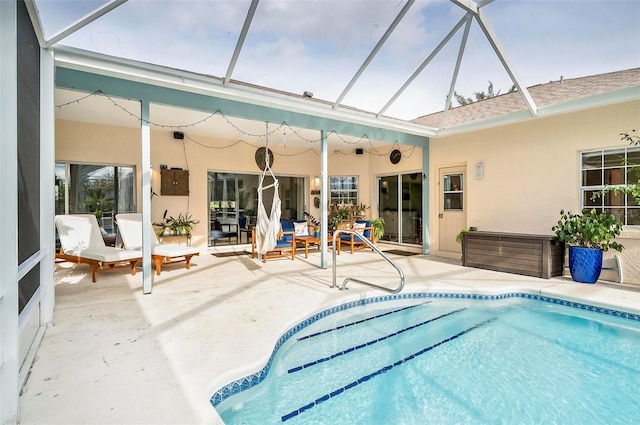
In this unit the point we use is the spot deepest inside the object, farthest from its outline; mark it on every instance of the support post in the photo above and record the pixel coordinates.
(47, 171)
(426, 217)
(324, 199)
(9, 365)
(145, 173)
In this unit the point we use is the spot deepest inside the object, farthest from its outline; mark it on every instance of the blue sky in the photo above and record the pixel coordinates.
(317, 46)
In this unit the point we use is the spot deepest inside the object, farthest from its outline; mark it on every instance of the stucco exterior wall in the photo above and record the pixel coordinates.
(531, 169)
(102, 144)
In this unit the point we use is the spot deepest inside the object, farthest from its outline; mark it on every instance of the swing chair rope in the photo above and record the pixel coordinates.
(267, 226)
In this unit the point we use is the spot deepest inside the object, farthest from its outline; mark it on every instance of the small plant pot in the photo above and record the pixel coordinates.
(585, 264)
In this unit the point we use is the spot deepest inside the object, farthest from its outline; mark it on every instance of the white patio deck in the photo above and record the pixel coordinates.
(115, 356)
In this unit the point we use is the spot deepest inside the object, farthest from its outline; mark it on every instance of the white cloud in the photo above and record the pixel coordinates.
(319, 45)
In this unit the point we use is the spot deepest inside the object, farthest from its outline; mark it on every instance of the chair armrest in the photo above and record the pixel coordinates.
(293, 235)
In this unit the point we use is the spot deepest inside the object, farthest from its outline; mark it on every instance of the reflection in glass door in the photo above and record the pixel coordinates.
(400, 206)
(412, 208)
(388, 207)
(233, 204)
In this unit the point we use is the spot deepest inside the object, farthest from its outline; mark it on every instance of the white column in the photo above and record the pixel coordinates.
(324, 199)
(8, 215)
(145, 173)
(47, 181)
(426, 219)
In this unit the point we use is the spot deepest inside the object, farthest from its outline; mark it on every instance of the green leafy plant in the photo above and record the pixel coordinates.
(342, 213)
(181, 226)
(632, 189)
(588, 230)
(463, 231)
(378, 228)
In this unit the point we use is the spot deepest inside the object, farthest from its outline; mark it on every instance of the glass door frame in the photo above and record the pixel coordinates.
(400, 212)
(295, 205)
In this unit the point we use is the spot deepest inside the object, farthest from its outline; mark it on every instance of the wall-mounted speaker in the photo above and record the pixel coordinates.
(178, 135)
(359, 151)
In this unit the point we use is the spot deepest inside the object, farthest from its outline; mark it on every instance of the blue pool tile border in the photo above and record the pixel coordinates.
(254, 379)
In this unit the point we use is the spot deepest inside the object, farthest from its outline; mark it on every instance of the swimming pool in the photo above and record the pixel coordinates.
(447, 358)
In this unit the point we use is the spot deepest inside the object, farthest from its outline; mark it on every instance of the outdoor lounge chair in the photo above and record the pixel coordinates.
(130, 228)
(285, 246)
(81, 242)
(354, 241)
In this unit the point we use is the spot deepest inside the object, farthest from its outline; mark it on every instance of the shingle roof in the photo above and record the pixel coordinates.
(542, 94)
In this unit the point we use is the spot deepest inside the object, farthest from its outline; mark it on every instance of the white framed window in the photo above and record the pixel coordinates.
(101, 189)
(343, 190)
(609, 168)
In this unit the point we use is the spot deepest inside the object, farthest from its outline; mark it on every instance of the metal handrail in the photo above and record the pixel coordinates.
(375, 248)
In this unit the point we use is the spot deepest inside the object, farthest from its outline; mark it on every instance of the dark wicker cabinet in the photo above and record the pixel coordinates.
(530, 255)
(174, 182)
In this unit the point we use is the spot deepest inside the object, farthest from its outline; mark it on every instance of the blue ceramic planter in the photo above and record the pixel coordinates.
(585, 264)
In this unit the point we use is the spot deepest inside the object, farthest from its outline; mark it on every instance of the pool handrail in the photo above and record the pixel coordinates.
(336, 233)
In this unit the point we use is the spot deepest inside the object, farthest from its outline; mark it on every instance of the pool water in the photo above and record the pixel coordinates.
(442, 361)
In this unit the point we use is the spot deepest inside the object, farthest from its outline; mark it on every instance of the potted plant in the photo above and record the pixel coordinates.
(378, 228)
(460, 238)
(587, 235)
(464, 230)
(176, 226)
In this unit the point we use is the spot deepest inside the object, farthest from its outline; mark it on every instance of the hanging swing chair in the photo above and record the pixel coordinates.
(268, 237)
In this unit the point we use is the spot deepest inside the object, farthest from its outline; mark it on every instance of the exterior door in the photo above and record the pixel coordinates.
(388, 207)
(452, 207)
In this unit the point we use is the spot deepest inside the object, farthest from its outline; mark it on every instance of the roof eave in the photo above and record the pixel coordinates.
(598, 100)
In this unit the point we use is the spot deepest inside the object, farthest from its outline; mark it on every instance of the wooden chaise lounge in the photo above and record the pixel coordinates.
(130, 228)
(81, 242)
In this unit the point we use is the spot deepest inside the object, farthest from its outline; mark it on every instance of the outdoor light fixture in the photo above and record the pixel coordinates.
(479, 170)
(316, 186)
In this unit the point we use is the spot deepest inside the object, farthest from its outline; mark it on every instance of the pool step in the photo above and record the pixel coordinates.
(380, 371)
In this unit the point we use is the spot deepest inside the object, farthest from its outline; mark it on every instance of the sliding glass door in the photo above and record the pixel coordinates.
(400, 205)
(102, 190)
(388, 207)
(233, 204)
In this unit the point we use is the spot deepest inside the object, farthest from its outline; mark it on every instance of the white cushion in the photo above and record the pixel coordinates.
(130, 228)
(106, 254)
(357, 226)
(78, 231)
(173, 250)
(301, 229)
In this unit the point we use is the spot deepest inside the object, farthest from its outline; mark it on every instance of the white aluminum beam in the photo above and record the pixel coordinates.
(373, 53)
(243, 35)
(85, 20)
(429, 58)
(324, 199)
(474, 9)
(454, 76)
(100, 64)
(34, 15)
(9, 356)
(145, 172)
(469, 5)
(497, 48)
(47, 173)
(483, 3)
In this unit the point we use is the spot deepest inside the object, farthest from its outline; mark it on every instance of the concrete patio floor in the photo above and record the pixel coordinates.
(116, 356)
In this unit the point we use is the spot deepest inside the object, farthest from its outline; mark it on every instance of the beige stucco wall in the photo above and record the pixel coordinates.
(104, 144)
(531, 170)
